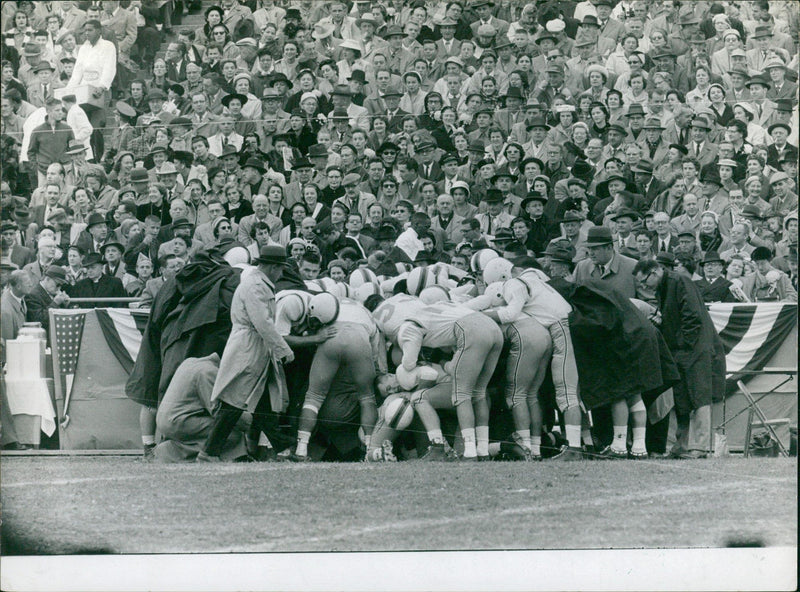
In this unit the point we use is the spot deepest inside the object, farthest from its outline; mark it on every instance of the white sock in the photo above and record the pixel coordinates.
(367, 440)
(482, 437)
(302, 443)
(638, 440)
(149, 440)
(536, 445)
(469, 442)
(264, 441)
(435, 436)
(574, 436)
(525, 438)
(620, 441)
(586, 436)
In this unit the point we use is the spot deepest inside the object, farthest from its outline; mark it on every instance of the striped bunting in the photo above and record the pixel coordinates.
(123, 330)
(752, 333)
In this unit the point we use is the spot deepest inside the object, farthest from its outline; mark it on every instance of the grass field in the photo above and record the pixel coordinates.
(60, 505)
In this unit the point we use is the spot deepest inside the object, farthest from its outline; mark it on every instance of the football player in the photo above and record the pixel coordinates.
(530, 351)
(476, 342)
(527, 295)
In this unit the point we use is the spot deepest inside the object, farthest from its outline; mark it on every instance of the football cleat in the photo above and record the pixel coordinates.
(568, 453)
(388, 453)
(609, 453)
(299, 458)
(513, 451)
(435, 452)
(484, 458)
(202, 457)
(468, 459)
(637, 455)
(149, 453)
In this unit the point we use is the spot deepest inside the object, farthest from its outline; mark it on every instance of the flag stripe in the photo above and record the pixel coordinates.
(769, 341)
(737, 327)
(113, 339)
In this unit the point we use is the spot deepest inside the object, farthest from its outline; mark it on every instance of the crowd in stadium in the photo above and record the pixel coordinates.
(323, 182)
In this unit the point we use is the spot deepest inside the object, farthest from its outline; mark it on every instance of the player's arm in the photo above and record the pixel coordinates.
(515, 294)
(313, 340)
(409, 338)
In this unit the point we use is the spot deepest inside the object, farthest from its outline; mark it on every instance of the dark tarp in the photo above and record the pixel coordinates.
(618, 350)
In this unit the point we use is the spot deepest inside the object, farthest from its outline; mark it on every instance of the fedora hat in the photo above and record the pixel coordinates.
(711, 257)
(367, 19)
(358, 76)
(105, 246)
(531, 159)
(76, 147)
(385, 233)
(352, 44)
(342, 90)
(57, 273)
(626, 213)
(635, 109)
(317, 151)
(653, 123)
(167, 169)
(532, 196)
(644, 166)
(759, 79)
(598, 236)
(93, 258)
(571, 216)
(31, 49)
(302, 163)
(493, 196)
(503, 235)
(255, 164)
(42, 66)
(229, 150)
(280, 77)
(701, 123)
(181, 222)
(393, 31)
(94, 219)
(271, 254)
(226, 100)
(710, 175)
(503, 173)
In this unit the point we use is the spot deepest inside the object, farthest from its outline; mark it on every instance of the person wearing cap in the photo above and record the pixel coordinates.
(780, 148)
(358, 117)
(42, 89)
(46, 294)
(447, 46)
(398, 58)
(767, 284)
(605, 264)
(783, 200)
(97, 283)
(713, 285)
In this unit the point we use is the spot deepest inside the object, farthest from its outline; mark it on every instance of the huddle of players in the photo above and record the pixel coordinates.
(436, 308)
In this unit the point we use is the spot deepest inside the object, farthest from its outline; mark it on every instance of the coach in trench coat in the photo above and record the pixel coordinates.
(254, 344)
(698, 353)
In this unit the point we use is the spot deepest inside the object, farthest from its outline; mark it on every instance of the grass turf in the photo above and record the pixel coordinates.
(121, 505)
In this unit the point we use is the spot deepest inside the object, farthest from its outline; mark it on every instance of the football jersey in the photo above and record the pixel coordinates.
(290, 304)
(432, 326)
(394, 311)
(352, 311)
(530, 296)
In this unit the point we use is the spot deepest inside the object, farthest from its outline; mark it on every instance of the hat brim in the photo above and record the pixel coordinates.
(269, 261)
(599, 244)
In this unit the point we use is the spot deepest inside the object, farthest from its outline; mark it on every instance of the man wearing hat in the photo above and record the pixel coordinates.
(48, 293)
(398, 58)
(10, 249)
(448, 45)
(780, 148)
(605, 264)
(252, 354)
(42, 89)
(97, 284)
(700, 148)
(494, 217)
(713, 285)
(483, 8)
(342, 101)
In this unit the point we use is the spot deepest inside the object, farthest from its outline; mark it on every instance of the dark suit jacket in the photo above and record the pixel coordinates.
(436, 174)
(772, 155)
(21, 256)
(177, 74)
(105, 287)
(718, 291)
(395, 124)
(39, 303)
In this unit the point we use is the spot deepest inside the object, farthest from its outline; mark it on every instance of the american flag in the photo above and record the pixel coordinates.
(69, 332)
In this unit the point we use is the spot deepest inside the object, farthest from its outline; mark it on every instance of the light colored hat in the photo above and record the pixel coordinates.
(555, 26)
(167, 169)
(351, 44)
(597, 68)
(309, 95)
(779, 176)
(487, 31)
(738, 52)
(323, 30)
(731, 32)
(247, 41)
(729, 162)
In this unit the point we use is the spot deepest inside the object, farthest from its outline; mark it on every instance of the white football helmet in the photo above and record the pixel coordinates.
(418, 279)
(293, 305)
(495, 292)
(366, 290)
(361, 276)
(433, 294)
(324, 307)
(497, 270)
(481, 259)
